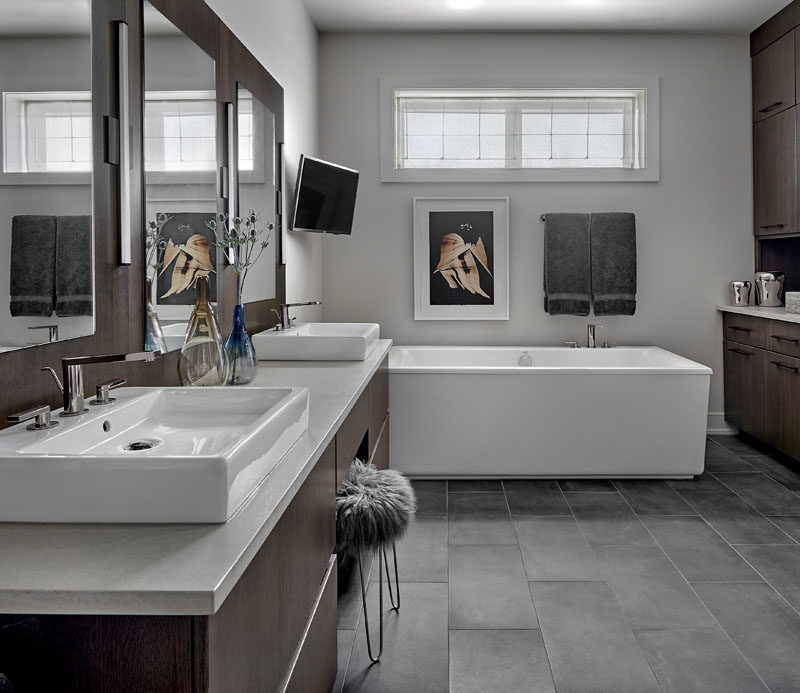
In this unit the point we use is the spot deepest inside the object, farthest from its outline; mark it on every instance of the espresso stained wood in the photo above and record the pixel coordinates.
(774, 78)
(380, 456)
(782, 254)
(351, 435)
(775, 27)
(253, 636)
(378, 403)
(783, 338)
(315, 663)
(744, 329)
(782, 403)
(775, 174)
(743, 387)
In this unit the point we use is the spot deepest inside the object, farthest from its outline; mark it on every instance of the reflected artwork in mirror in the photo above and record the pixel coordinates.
(46, 232)
(180, 163)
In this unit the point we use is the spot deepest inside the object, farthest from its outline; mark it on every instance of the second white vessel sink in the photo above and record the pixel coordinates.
(318, 341)
(156, 455)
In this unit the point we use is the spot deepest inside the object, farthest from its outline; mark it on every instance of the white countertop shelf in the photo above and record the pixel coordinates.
(176, 569)
(762, 312)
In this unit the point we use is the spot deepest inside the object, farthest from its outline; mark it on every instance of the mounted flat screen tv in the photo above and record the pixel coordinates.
(325, 197)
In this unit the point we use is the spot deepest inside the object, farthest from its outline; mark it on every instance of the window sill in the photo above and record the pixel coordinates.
(516, 175)
(47, 178)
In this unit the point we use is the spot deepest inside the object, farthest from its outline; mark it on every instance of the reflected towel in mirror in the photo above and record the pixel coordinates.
(33, 258)
(73, 266)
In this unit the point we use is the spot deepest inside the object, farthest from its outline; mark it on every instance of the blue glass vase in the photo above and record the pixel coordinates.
(242, 361)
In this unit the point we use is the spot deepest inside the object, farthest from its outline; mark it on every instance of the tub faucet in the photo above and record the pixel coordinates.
(71, 382)
(286, 321)
(590, 336)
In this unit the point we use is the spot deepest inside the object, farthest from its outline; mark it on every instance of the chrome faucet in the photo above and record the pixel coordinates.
(286, 321)
(71, 382)
(590, 336)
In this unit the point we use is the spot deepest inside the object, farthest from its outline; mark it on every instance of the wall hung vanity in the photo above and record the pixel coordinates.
(178, 123)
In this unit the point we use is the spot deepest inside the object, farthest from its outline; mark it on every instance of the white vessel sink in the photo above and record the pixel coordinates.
(155, 455)
(318, 341)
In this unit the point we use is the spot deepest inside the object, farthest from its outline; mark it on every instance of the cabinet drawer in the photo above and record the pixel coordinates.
(351, 435)
(378, 403)
(380, 456)
(782, 403)
(783, 337)
(774, 78)
(744, 329)
(314, 665)
(743, 387)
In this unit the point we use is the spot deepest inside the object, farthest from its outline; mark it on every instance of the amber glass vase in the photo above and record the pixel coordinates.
(203, 361)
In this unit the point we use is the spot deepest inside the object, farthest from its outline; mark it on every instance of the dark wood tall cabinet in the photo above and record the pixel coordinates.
(775, 173)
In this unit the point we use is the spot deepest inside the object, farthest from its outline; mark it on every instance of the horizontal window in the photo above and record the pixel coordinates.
(529, 129)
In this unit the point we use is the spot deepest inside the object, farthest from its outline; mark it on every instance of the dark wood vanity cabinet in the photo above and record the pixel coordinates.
(782, 403)
(743, 387)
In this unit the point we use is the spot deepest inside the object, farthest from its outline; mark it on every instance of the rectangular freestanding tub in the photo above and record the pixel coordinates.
(624, 412)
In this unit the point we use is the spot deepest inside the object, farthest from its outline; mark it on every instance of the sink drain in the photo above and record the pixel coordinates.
(145, 444)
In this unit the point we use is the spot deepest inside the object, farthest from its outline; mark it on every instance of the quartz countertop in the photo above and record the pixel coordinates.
(762, 312)
(176, 569)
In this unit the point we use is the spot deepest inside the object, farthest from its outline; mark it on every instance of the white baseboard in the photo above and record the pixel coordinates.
(717, 426)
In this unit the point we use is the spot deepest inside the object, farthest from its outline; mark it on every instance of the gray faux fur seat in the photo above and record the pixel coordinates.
(373, 509)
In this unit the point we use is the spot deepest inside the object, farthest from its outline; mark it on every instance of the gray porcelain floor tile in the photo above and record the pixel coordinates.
(421, 553)
(344, 647)
(779, 566)
(475, 486)
(488, 589)
(653, 498)
(720, 459)
(698, 551)
(554, 548)
(790, 525)
(605, 518)
(762, 625)
(431, 497)
(528, 497)
(704, 482)
(735, 444)
(764, 494)
(499, 660)
(415, 645)
(590, 646)
(651, 592)
(586, 485)
(698, 662)
(479, 518)
(735, 520)
(775, 469)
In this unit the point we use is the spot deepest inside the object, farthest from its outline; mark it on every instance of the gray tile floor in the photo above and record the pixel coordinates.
(601, 586)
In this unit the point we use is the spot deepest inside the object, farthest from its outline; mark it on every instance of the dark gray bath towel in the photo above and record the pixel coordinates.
(73, 266)
(566, 264)
(33, 265)
(614, 263)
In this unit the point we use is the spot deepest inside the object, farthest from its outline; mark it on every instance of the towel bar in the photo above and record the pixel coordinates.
(541, 217)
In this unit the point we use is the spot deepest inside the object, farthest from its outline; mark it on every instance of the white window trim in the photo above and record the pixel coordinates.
(389, 174)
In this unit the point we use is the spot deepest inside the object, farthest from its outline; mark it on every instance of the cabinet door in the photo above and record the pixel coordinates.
(774, 78)
(775, 174)
(743, 387)
(782, 403)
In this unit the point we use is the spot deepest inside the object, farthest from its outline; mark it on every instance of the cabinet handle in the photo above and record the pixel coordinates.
(739, 329)
(739, 351)
(772, 226)
(784, 339)
(794, 369)
(771, 107)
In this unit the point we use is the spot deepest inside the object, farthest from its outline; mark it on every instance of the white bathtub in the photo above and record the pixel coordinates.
(625, 412)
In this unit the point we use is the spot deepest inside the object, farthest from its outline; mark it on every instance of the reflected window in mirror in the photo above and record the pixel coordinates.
(180, 163)
(257, 166)
(46, 232)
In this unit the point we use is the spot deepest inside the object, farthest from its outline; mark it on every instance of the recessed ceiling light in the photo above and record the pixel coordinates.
(464, 4)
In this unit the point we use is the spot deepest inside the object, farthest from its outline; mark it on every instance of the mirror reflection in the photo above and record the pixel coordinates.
(257, 165)
(180, 161)
(46, 265)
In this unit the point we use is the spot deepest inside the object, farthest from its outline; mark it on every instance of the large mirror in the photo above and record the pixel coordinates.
(257, 168)
(46, 258)
(180, 163)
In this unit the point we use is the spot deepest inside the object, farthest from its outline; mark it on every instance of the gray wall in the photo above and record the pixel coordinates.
(694, 226)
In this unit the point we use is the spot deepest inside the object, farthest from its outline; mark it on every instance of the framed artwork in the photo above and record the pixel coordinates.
(460, 258)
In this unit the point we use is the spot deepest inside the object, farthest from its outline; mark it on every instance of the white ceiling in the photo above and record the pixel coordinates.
(696, 16)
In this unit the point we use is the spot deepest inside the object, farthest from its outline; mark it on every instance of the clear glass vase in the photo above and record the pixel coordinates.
(153, 335)
(242, 361)
(203, 362)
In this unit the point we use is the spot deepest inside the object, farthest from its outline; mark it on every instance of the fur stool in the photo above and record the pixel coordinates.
(373, 509)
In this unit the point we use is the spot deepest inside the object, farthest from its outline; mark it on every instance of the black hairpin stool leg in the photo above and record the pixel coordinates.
(396, 607)
(373, 659)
